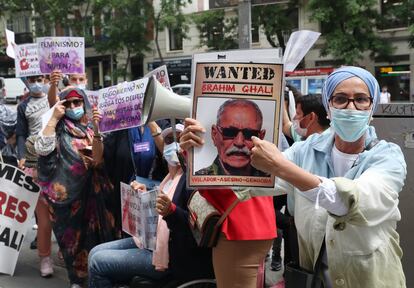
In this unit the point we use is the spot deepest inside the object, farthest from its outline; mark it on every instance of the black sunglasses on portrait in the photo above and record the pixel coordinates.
(232, 132)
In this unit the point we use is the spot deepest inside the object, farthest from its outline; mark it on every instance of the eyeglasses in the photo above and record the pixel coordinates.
(360, 102)
(232, 132)
(76, 102)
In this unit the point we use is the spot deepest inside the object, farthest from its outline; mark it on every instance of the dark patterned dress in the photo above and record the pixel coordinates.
(79, 195)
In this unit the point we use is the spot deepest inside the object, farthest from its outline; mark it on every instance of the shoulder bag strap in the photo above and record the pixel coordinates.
(227, 212)
(318, 264)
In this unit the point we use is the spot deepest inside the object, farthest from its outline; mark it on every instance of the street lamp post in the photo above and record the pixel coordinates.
(245, 21)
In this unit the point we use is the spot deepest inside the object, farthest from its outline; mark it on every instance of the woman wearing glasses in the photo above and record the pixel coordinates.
(346, 184)
(72, 176)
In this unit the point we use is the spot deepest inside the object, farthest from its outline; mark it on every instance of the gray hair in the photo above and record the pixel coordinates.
(242, 103)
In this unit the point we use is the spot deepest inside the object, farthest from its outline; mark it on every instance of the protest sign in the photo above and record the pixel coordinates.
(121, 105)
(10, 43)
(139, 217)
(26, 60)
(18, 198)
(92, 97)
(161, 74)
(236, 97)
(64, 53)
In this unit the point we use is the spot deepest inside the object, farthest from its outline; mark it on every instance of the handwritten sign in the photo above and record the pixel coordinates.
(139, 217)
(161, 74)
(121, 105)
(26, 60)
(64, 53)
(18, 198)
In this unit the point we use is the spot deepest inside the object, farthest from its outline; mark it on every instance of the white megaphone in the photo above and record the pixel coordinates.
(161, 103)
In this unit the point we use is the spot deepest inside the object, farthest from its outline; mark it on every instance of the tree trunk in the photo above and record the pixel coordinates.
(127, 64)
(157, 24)
(281, 40)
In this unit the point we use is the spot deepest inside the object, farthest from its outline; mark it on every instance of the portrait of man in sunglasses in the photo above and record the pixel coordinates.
(237, 121)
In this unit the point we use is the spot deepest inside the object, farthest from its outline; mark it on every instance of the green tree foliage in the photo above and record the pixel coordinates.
(217, 32)
(402, 12)
(348, 27)
(168, 14)
(276, 21)
(124, 28)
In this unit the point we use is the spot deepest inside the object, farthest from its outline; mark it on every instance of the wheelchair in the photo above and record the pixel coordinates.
(169, 282)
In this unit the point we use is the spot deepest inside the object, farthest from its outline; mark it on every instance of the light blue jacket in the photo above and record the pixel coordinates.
(362, 246)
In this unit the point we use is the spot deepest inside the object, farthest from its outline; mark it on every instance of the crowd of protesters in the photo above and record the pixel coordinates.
(342, 186)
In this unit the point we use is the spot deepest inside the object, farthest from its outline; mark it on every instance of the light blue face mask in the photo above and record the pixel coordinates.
(75, 113)
(170, 154)
(81, 86)
(349, 124)
(36, 88)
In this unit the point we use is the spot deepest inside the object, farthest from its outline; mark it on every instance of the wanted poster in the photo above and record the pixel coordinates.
(234, 100)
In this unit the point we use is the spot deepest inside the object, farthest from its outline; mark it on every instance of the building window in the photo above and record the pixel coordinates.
(255, 30)
(392, 21)
(175, 40)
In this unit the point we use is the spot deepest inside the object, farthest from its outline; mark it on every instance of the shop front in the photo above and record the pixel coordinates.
(179, 70)
(397, 80)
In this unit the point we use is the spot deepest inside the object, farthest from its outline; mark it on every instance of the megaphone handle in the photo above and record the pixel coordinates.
(179, 155)
(173, 129)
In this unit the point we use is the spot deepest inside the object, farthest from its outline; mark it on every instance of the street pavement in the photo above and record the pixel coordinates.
(27, 275)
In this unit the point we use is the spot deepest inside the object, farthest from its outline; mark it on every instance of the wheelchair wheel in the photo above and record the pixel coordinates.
(201, 283)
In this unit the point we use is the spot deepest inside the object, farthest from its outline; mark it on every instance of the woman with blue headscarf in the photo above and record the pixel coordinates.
(346, 184)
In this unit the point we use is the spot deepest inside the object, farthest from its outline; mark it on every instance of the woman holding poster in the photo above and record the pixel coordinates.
(72, 176)
(346, 186)
(176, 251)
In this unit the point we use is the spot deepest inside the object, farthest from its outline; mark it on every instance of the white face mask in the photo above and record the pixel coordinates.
(296, 126)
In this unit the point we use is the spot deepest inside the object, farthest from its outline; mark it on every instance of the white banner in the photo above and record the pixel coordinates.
(26, 60)
(18, 198)
(139, 217)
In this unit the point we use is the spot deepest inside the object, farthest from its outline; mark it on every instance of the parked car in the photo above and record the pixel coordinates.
(182, 89)
(12, 89)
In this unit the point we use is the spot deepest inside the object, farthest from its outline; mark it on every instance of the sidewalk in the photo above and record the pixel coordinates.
(27, 273)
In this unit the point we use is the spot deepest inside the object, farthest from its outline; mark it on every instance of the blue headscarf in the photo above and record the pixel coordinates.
(347, 72)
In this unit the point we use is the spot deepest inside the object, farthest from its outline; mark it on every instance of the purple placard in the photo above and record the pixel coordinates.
(121, 105)
(141, 147)
(64, 53)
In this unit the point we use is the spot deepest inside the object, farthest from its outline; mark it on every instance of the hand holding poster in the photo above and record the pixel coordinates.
(26, 60)
(18, 198)
(246, 100)
(121, 105)
(64, 53)
(139, 217)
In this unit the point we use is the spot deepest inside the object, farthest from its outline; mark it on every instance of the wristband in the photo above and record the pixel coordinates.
(156, 133)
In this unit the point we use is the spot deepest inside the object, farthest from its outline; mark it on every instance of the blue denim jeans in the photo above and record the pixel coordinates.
(117, 262)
